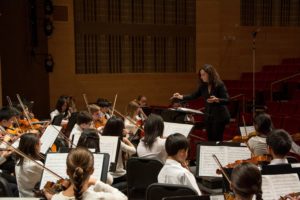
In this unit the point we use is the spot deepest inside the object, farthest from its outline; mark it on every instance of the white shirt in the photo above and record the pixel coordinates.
(173, 173)
(295, 148)
(98, 191)
(157, 151)
(258, 145)
(279, 161)
(28, 175)
(54, 113)
(76, 131)
(120, 171)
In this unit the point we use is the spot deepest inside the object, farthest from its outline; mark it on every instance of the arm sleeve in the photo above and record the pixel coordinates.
(223, 95)
(193, 96)
(108, 192)
(128, 149)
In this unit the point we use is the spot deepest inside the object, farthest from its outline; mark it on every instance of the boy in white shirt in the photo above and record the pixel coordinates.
(279, 144)
(175, 170)
(84, 121)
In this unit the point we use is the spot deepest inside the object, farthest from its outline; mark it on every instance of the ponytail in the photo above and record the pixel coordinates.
(78, 180)
(259, 195)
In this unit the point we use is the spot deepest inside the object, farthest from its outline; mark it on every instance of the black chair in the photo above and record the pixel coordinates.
(71, 123)
(158, 191)
(141, 172)
(191, 197)
(5, 190)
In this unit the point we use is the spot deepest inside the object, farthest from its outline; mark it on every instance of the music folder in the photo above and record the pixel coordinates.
(171, 128)
(56, 162)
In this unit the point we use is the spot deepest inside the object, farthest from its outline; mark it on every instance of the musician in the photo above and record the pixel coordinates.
(152, 145)
(90, 139)
(7, 117)
(174, 171)
(28, 173)
(62, 107)
(246, 181)
(263, 126)
(279, 144)
(104, 107)
(99, 120)
(84, 121)
(142, 100)
(215, 93)
(115, 127)
(80, 167)
(132, 111)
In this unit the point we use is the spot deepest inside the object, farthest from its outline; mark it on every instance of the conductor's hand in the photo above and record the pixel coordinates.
(213, 99)
(177, 96)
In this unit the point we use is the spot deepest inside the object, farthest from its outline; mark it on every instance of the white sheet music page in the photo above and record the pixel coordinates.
(216, 197)
(56, 162)
(171, 128)
(274, 186)
(249, 129)
(225, 154)
(48, 137)
(109, 144)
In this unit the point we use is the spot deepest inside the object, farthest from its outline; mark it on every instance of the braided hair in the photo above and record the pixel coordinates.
(80, 165)
(246, 180)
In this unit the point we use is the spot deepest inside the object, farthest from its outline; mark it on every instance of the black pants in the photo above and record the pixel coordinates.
(215, 130)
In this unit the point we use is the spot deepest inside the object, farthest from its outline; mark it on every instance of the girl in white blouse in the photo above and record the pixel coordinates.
(80, 166)
(152, 145)
(115, 127)
(28, 173)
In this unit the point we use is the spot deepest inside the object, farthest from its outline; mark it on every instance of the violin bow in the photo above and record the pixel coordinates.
(28, 157)
(11, 106)
(86, 103)
(221, 168)
(114, 105)
(24, 110)
(130, 120)
(244, 123)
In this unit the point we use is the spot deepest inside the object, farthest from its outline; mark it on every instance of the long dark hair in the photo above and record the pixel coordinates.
(114, 127)
(80, 165)
(154, 127)
(246, 181)
(28, 144)
(213, 77)
(89, 138)
(60, 102)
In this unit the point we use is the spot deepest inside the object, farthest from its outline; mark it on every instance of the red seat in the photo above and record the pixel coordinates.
(291, 125)
(273, 107)
(277, 121)
(288, 109)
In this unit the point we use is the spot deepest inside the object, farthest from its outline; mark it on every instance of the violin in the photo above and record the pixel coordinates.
(100, 122)
(291, 196)
(242, 139)
(257, 160)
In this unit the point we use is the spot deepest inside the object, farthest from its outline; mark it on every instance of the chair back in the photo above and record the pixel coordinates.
(158, 191)
(141, 172)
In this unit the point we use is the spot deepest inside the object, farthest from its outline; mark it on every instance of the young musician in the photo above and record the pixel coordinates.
(115, 127)
(279, 144)
(142, 100)
(263, 126)
(7, 118)
(89, 139)
(132, 113)
(62, 107)
(215, 93)
(28, 173)
(80, 166)
(175, 170)
(152, 145)
(246, 181)
(84, 121)
(99, 120)
(104, 108)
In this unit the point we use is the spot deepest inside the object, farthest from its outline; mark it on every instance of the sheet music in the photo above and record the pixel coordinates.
(295, 165)
(208, 166)
(20, 198)
(249, 129)
(171, 128)
(274, 186)
(57, 163)
(109, 144)
(217, 197)
(48, 137)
